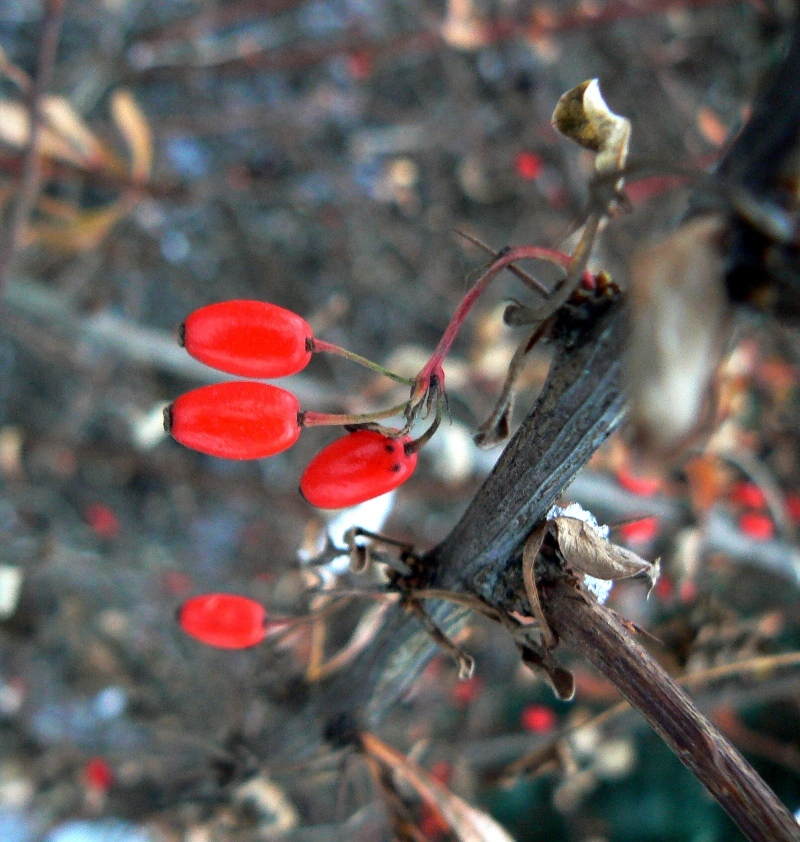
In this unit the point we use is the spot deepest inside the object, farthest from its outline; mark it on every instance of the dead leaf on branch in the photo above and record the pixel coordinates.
(679, 319)
(583, 548)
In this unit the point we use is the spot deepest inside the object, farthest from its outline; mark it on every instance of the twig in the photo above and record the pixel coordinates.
(597, 635)
(31, 171)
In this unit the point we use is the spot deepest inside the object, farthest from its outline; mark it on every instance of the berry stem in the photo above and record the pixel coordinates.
(320, 346)
(432, 375)
(324, 419)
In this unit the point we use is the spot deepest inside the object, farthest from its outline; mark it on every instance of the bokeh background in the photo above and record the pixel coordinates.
(319, 154)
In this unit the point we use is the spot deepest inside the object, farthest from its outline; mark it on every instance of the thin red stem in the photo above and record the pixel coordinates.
(504, 259)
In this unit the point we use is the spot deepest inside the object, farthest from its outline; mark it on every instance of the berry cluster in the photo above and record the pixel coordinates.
(244, 419)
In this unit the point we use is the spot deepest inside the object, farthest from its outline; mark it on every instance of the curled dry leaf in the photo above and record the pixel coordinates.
(62, 118)
(467, 823)
(678, 331)
(561, 679)
(15, 129)
(133, 126)
(582, 547)
(583, 116)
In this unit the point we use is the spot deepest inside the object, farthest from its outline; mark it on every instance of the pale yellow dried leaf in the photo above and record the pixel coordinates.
(84, 233)
(467, 823)
(62, 119)
(15, 127)
(583, 116)
(135, 129)
(583, 548)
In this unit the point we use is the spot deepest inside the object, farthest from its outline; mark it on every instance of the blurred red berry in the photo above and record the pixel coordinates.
(528, 165)
(226, 621)
(757, 526)
(176, 583)
(248, 338)
(238, 420)
(748, 494)
(442, 771)
(465, 692)
(538, 719)
(793, 507)
(360, 64)
(102, 520)
(688, 591)
(664, 587)
(97, 774)
(641, 531)
(644, 486)
(358, 467)
(432, 824)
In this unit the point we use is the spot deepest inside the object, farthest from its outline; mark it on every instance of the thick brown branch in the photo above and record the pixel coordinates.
(594, 632)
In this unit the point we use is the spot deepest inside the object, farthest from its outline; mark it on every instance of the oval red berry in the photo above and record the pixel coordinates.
(238, 420)
(358, 467)
(248, 338)
(226, 621)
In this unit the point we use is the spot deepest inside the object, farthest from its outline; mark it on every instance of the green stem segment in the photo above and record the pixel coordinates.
(324, 419)
(320, 346)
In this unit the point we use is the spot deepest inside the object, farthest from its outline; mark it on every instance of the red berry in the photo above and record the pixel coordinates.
(248, 338)
(793, 507)
(528, 165)
(538, 719)
(639, 484)
(664, 587)
(358, 467)
(442, 772)
(97, 774)
(238, 420)
(748, 494)
(467, 691)
(102, 520)
(757, 526)
(641, 531)
(226, 621)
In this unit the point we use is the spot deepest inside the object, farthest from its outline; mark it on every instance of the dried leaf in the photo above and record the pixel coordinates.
(582, 547)
(15, 127)
(678, 329)
(561, 679)
(133, 126)
(583, 116)
(84, 233)
(467, 823)
(62, 119)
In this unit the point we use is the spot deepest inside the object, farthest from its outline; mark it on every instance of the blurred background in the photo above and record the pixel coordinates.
(319, 154)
